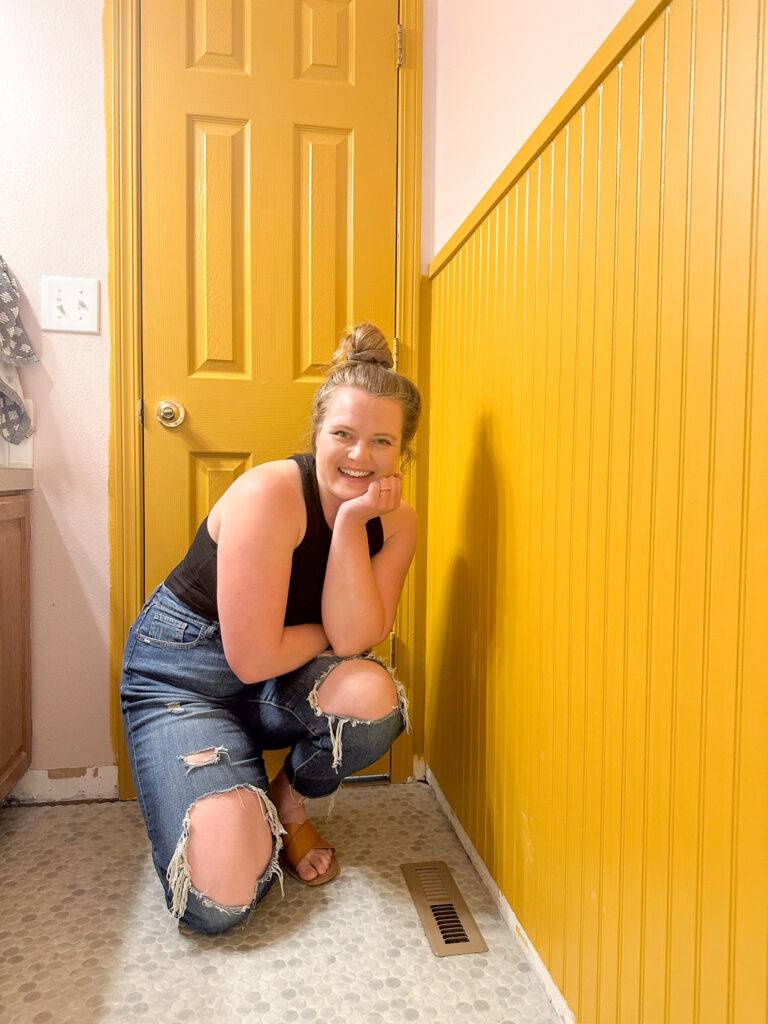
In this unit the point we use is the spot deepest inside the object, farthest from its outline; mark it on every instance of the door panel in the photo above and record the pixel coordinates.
(268, 171)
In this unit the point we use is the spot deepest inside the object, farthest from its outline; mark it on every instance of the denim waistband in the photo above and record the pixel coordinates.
(163, 597)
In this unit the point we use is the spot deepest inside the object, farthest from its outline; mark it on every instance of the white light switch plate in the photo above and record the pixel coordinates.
(70, 304)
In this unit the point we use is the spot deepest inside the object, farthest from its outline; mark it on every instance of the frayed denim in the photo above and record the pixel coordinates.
(193, 730)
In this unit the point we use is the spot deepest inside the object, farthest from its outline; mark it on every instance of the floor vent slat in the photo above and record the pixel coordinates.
(444, 915)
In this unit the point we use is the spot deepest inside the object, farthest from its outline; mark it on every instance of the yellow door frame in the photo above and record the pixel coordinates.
(126, 498)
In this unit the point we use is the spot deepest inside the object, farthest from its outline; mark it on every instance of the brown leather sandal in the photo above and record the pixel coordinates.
(299, 839)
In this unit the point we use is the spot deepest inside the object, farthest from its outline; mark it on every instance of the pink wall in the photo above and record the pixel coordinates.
(492, 70)
(53, 221)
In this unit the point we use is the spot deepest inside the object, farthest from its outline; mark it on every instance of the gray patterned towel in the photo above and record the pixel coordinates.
(16, 350)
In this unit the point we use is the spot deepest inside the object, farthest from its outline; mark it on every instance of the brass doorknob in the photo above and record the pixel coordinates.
(171, 414)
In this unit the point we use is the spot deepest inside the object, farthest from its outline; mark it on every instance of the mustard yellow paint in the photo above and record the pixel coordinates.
(120, 25)
(268, 224)
(596, 597)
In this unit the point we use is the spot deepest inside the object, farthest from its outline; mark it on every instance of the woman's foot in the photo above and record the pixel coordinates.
(290, 807)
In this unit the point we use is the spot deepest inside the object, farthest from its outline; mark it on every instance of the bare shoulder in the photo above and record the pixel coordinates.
(402, 521)
(279, 482)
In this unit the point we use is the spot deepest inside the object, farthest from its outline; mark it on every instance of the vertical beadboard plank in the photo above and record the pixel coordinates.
(730, 340)
(749, 936)
(555, 271)
(592, 634)
(473, 544)
(432, 749)
(536, 525)
(462, 349)
(560, 805)
(455, 602)
(502, 397)
(676, 263)
(489, 429)
(486, 500)
(689, 711)
(666, 459)
(640, 528)
(440, 522)
(583, 654)
(506, 394)
(475, 538)
(654, 107)
(704, 988)
(599, 511)
(527, 680)
(516, 555)
(611, 874)
(533, 582)
(652, 883)
(578, 554)
(446, 601)
(517, 288)
(467, 470)
(664, 572)
(571, 821)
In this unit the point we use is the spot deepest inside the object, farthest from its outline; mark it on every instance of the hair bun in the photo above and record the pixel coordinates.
(362, 343)
(371, 355)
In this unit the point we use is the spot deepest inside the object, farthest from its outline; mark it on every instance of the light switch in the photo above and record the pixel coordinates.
(70, 304)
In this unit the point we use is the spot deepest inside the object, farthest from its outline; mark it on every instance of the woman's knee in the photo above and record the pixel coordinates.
(230, 848)
(358, 688)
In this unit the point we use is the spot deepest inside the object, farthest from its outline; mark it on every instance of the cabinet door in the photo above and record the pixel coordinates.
(15, 715)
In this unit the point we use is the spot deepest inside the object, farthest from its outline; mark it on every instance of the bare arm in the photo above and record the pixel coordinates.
(258, 531)
(360, 593)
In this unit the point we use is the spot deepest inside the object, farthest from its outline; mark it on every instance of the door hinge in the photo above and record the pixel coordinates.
(396, 352)
(140, 412)
(392, 648)
(400, 45)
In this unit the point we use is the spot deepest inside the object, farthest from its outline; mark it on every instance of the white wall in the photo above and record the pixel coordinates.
(53, 221)
(492, 70)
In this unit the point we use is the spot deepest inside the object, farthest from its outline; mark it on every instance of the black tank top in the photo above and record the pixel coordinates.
(194, 578)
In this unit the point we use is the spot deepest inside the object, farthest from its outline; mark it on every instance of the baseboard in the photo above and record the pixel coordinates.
(554, 995)
(58, 785)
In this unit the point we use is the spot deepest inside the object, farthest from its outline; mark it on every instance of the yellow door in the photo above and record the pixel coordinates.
(268, 183)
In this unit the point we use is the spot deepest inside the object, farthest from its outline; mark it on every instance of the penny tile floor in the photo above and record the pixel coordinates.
(84, 934)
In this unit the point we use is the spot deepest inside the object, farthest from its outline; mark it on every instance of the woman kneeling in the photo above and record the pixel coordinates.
(259, 640)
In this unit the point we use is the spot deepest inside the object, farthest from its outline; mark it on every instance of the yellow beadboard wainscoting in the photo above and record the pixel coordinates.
(597, 586)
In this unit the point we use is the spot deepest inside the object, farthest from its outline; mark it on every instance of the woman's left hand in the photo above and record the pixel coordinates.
(382, 496)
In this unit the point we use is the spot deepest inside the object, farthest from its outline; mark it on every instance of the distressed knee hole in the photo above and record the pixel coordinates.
(341, 700)
(224, 851)
(357, 689)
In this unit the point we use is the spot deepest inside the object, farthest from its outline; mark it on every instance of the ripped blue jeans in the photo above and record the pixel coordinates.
(180, 698)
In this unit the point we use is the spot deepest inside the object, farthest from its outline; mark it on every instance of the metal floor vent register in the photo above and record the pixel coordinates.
(448, 924)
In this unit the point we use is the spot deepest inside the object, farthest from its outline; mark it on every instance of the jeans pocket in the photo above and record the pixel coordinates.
(164, 629)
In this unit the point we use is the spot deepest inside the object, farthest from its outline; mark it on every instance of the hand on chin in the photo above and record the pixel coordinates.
(381, 496)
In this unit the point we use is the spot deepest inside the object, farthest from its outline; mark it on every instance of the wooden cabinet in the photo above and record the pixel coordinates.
(15, 709)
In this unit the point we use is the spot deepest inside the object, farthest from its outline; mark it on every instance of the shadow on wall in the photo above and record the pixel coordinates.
(470, 684)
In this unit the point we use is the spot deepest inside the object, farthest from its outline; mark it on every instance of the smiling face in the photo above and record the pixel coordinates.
(358, 441)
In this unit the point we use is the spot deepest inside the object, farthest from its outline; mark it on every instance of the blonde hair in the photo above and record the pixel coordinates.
(364, 360)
